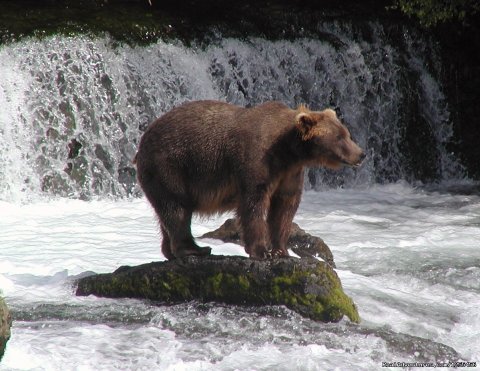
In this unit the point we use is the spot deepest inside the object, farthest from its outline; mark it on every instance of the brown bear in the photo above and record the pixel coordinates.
(209, 157)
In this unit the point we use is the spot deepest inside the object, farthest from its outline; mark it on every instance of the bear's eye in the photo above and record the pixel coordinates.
(339, 137)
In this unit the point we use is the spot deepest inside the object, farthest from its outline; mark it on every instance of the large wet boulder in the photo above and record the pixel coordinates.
(308, 286)
(300, 242)
(5, 324)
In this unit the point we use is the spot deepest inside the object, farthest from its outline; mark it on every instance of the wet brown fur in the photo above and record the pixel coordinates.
(210, 157)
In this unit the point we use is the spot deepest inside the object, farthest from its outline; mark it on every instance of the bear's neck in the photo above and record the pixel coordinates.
(288, 151)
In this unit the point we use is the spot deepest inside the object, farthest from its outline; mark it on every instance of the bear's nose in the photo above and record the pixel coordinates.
(360, 159)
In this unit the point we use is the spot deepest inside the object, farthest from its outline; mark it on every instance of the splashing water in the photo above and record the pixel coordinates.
(408, 258)
(74, 108)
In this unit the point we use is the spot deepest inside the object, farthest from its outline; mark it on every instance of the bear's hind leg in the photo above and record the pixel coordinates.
(166, 246)
(178, 225)
(174, 223)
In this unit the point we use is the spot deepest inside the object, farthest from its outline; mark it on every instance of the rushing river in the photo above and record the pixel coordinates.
(408, 257)
(407, 252)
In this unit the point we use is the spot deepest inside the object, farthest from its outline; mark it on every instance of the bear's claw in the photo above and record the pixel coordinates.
(278, 253)
(194, 251)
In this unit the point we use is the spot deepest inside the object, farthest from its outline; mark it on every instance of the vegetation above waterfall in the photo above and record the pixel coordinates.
(147, 20)
(433, 12)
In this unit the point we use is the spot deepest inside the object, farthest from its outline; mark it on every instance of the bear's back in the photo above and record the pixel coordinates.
(210, 128)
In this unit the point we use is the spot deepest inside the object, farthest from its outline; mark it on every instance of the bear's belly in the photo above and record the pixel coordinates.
(214, 201)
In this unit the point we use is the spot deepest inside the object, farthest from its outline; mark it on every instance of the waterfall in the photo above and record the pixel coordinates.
(74, 108)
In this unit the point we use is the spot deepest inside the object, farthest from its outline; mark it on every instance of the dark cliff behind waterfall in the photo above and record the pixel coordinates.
(460, 46)
(456, 63)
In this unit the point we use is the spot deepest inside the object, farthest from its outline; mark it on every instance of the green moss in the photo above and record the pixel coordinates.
(230, 287)
(330, 307)
(432, 12)
(116, 284)
(243, 282)
(172, 287)
(214, 285)
(283, 289)
(339, 302)
(178, 285)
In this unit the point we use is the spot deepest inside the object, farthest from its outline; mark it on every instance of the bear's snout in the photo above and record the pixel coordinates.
(355, 162)
(352, 155)
(360, 159)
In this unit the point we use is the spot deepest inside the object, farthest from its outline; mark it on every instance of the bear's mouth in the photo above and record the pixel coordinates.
(355, 164)
(361, 159)
(358, 164)
(349, 164)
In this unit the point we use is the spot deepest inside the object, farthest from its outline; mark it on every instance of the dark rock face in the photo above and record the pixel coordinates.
(310, 287)
(461, 79)
(300, 242)
(5, 324)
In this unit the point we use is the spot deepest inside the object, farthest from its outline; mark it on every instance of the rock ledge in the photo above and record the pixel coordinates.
(307, 286)
(5, 324)
(300, 242)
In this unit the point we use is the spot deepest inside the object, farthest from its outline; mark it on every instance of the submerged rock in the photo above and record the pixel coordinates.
(300, 242)
(5, 324)
(308, 286)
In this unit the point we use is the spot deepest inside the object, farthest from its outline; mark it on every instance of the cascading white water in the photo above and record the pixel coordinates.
(74, 108)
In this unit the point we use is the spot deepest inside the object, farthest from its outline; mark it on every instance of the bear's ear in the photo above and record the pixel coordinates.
(305, 122)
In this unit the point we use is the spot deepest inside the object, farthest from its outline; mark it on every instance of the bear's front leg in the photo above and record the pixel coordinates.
(252, 215)
(283, 206)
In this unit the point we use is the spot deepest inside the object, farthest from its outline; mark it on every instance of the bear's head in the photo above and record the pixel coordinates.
(328, 141)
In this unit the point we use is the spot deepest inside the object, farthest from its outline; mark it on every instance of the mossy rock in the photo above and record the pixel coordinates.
(5, 324)
(307, 286)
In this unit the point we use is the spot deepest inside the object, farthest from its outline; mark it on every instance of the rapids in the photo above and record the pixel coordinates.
(408, 257)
